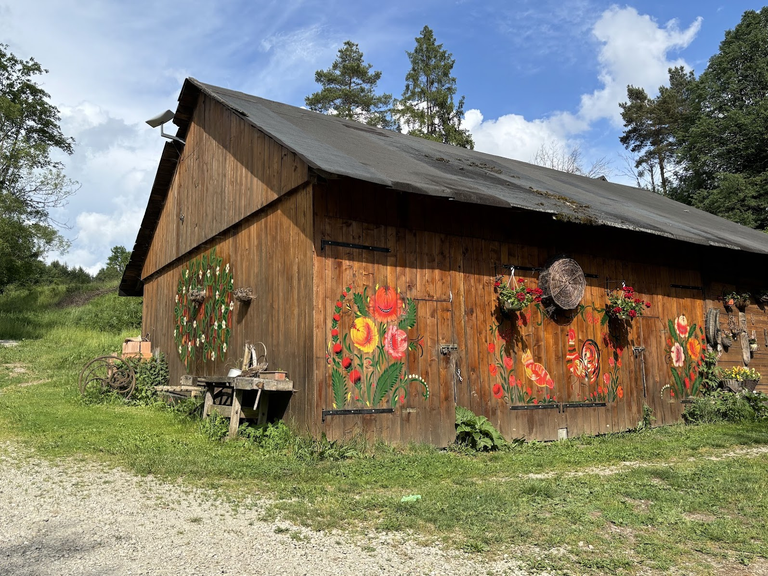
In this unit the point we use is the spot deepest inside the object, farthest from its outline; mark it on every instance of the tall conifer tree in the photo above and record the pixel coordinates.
(348, 90)
(426, 108)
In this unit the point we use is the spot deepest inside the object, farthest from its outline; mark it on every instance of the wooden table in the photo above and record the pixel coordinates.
(239, 385)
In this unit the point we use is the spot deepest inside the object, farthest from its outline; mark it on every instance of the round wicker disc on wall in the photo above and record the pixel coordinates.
(566, 283)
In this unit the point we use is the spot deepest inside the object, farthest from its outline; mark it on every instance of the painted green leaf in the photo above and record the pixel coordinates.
(409, 319)
(339, 384)
(387, 380)
(360, 303)
(604, 320)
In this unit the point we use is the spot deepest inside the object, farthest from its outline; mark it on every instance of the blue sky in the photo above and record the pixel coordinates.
(534, 72)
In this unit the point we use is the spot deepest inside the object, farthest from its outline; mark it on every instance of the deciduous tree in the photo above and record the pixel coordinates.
(31, 181)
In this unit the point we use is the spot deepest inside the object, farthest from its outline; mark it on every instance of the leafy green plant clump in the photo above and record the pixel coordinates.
(726, 406)
(476, 432)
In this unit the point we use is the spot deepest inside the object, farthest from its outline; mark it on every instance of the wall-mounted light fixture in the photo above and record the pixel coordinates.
(161, 119)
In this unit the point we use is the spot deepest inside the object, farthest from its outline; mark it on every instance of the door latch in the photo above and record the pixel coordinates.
(446, 349)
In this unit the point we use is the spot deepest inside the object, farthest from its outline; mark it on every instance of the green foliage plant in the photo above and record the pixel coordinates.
(32, 182)
(476, 432)
(723, 145)
(348, 90)
(150, 372)
(724, 406)
(427, 108)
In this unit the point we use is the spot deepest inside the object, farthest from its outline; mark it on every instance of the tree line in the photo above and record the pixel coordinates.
(704, 141)
(701, 140)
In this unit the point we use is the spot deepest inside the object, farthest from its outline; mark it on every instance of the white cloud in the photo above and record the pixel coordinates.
(634, 50)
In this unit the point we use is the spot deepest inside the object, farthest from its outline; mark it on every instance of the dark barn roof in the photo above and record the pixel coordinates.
(335, 147)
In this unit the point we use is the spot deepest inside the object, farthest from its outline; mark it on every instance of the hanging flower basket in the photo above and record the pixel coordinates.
(514, 296)
(624, 305)
(736, 300)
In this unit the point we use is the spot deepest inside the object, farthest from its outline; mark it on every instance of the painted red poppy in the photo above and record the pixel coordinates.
(346, 363)
(491, 347)
(355, 376)
(493, 370)
(508, 363)
(337, 348)
(498, 390)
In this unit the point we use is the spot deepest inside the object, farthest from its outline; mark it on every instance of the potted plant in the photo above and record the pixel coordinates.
(739, 378)
(514, 295)
(739, 300)
(624, 304)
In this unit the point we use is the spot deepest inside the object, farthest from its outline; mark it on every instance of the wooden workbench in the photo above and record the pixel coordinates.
(239, 385)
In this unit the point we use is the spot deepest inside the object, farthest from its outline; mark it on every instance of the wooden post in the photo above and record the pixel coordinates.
(234, 418)
(208, 400)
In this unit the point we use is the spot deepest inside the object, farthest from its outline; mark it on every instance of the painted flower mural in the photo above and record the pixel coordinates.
(537, 385)
(202, 328)
(685, 349)
(367, 361)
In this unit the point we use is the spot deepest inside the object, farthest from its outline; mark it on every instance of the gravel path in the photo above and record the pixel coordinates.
(79, 519)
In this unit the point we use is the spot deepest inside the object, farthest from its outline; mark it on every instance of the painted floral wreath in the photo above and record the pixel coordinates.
(203, 328)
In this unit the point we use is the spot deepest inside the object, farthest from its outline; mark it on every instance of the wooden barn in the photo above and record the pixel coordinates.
(376, 262)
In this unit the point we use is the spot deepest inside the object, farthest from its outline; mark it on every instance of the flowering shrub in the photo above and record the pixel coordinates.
(623, 304)
(514, 295)
(739, 373)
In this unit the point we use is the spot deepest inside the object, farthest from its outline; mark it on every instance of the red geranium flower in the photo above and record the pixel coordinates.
(632, 314)
(386, 304)
(498, 391)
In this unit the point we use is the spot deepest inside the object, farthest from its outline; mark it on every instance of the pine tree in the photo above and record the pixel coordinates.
(348, 90)
(427, 108)
(650, 125)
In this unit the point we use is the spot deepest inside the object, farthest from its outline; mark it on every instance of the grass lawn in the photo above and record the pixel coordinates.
(681, 498)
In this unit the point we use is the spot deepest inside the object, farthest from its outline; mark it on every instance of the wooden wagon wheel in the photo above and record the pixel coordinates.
(107, 372)
(564, 283)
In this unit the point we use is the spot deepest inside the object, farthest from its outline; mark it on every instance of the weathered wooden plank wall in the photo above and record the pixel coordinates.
(228, 170)
(756, 317)
(281, 280)
(449, 271)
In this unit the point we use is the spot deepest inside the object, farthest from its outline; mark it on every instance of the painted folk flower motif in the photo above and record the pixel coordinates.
(395, 342)
(678, 355)
(506, 386)
(201, 328)
(368, 361)
(686, 347)
(364, 334)
(386, 304)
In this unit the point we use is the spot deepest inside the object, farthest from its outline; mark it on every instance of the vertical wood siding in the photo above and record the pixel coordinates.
(446, 257)
(228, 170)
